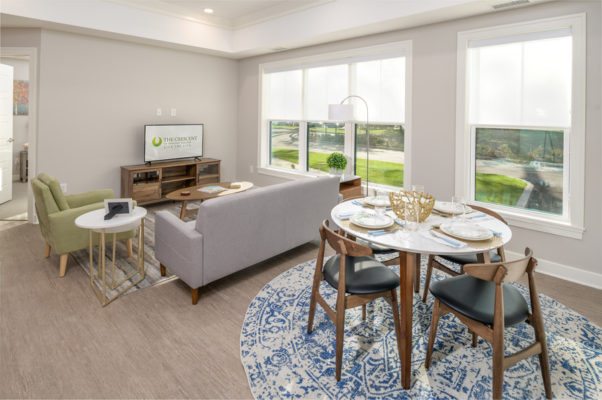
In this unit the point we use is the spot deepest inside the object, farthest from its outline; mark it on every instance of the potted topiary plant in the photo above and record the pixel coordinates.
(337, 163)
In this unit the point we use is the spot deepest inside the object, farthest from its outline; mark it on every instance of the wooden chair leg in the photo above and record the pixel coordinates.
(427, 281)
(47, 250)
(433, 334)
(540, 336)
(340, 332)
(195, 295)
(63, 264)
(396, 320)
(364, 312)
(163, 269)
(475, 339)
(498, 362)
(315, 290)
(128, 244)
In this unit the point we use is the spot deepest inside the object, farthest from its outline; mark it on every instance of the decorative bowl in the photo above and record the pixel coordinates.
(399, 201)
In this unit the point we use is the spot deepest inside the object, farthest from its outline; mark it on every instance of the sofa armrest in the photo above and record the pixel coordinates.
(179, 247)
(83, 199)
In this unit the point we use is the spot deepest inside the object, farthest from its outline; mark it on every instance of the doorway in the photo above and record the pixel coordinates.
(19, 205)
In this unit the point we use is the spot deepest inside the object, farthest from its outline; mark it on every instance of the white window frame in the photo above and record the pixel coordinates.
(571, 223)
(402, 48)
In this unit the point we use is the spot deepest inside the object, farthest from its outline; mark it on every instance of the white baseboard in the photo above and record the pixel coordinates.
(566, 272)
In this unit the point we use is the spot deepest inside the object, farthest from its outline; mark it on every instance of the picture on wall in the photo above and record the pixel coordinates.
(20, 97)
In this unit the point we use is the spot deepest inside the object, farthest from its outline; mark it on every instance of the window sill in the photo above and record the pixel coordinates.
(539, 224)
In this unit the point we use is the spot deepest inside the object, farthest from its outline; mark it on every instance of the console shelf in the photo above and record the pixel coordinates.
(149, 183)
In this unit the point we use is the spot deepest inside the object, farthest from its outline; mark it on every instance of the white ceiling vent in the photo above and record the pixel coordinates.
(510, 4)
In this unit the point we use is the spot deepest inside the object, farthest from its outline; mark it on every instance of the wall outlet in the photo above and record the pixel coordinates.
(173, 112)
(64, 187)
(159, 112)
(251, 168)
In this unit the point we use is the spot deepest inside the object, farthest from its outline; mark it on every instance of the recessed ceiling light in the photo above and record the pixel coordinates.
(208, 10)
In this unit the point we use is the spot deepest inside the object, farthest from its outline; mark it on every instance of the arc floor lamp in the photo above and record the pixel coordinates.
(344, 112)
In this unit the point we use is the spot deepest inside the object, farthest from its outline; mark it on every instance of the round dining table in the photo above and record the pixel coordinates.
(410, 245)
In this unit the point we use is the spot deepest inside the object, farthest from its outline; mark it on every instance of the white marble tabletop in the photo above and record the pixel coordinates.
(119, 223)
(417, 241)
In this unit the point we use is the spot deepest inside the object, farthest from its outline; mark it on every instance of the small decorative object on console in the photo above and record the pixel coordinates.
(399, 200)
(235, 185)
(212, 189)
(185, 193)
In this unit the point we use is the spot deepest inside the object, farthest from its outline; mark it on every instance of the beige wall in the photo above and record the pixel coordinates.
(434, 110)
(96, 95)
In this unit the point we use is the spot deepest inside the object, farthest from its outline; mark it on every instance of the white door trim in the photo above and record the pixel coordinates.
(32, 53)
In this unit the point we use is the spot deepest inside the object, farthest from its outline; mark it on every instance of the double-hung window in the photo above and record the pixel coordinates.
(521, 122)
(296, 135)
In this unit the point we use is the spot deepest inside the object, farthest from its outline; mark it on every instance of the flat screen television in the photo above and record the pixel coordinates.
(169, 142)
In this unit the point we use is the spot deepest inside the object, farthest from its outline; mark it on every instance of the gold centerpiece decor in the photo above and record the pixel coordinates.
(400, 199)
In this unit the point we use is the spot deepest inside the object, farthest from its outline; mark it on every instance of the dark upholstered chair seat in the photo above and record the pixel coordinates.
(472, 258)
(363, 275)
(475, 298)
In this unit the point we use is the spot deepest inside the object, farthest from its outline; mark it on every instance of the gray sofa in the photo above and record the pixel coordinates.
(236, 231)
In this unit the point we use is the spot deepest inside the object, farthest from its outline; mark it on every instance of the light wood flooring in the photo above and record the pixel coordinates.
(56, 341)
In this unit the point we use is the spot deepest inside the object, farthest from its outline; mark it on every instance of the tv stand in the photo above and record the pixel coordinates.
(150, 183)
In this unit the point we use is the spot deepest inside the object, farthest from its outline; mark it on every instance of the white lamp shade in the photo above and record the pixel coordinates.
(340, 112)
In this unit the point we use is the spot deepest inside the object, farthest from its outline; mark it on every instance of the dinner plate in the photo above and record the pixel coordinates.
(372, 221)
(448, 207)
(381, 201)
(466, 231)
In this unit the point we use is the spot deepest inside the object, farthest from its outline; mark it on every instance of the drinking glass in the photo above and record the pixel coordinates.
(418, 188)
(380, 202)
(459, 202)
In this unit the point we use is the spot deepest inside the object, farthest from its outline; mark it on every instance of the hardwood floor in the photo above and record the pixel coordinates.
(56, 340)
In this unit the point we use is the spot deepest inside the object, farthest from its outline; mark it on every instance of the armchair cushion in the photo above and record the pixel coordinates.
(55, 189)
(83, 199)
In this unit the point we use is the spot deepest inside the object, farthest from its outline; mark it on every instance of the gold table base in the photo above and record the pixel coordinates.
(101, 270)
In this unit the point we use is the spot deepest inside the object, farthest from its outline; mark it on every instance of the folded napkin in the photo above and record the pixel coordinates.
(443, 239)
(357, 203)
(344, 216)
(476, 215)
(379, 232)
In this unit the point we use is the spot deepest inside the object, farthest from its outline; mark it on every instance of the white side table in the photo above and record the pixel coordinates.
(94, 221)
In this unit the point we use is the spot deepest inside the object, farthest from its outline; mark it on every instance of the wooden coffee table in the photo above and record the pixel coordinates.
(196, 195)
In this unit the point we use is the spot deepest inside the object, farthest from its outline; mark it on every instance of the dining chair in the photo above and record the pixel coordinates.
(486, 303)
(358, 279)
(376, 249)
(496, 255)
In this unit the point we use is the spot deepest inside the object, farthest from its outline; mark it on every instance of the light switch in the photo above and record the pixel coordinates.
(173, 112)
(159, 112)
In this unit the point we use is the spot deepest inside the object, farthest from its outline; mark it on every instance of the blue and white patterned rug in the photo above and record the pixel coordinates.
(282, 361)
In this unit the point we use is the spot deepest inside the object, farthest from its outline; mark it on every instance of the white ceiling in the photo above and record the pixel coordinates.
(238, 28)
(232, 14)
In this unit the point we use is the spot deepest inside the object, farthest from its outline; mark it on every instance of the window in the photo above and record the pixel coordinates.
(296, 135)
(523, 90)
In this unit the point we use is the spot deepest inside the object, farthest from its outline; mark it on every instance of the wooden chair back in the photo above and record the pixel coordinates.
(489, 212)
(341, 244)
(505, 271)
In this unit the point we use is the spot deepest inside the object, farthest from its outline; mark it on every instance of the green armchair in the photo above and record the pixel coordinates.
(57, 213)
